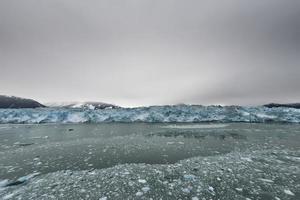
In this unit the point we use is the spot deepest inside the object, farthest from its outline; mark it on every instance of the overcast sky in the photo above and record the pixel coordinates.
(143, 52)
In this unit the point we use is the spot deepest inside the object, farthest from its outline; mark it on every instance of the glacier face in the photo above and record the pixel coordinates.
(177, 113)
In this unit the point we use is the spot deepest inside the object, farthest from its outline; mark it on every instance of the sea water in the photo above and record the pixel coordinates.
(150, 161)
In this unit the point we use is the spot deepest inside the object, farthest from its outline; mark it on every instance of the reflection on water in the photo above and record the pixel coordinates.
(199, 135)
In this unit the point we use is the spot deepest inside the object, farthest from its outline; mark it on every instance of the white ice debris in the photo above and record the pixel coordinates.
(186, 190)
(145, 189)
(293, 158)
(82, 191)
(27, 177)
(8, 196)
(139, 194)
(211, 189)
(194, 178)
(170, 143)
(4, 182)
(247, 159)
(266, 180)
(189, 177)
(142, 181)
(288, 192)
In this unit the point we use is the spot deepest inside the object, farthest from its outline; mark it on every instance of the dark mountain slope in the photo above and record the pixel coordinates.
(17, 102)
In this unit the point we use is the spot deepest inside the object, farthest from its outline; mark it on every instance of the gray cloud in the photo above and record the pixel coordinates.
(142, 52)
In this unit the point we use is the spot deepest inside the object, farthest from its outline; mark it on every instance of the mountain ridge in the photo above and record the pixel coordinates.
(287, 105)
(18, 102)
(7, 102)
(93, 105)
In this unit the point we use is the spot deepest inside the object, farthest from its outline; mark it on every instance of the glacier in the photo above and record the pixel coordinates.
(164, 114)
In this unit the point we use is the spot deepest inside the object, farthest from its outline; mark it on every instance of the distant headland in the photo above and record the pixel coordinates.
(17, 102)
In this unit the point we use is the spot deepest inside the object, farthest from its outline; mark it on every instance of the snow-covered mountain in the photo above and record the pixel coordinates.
(83, 105)
(17, 102)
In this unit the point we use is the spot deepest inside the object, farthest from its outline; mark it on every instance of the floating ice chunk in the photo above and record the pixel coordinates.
(145, 189)
(169, 143)
(139, 194)
(229, 170)
(82, 191)
(36, 159)
(4, 182)
(103, 198)
(211, 189)
(23, 144)
(39, 163)
(239, 189)
(293, 158)
(142, 181)
(247, 159)
(266, 180)
(288, 192)
(189, 177)
(27, 177)
(195, 198)
(185, 190)
(130, 183)
(40, 137)
(8, 196)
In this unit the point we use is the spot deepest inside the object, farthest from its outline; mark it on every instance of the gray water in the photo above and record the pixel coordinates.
(195, 150)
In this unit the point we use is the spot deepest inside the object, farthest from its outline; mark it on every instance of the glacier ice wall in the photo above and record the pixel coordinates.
(178, 113)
